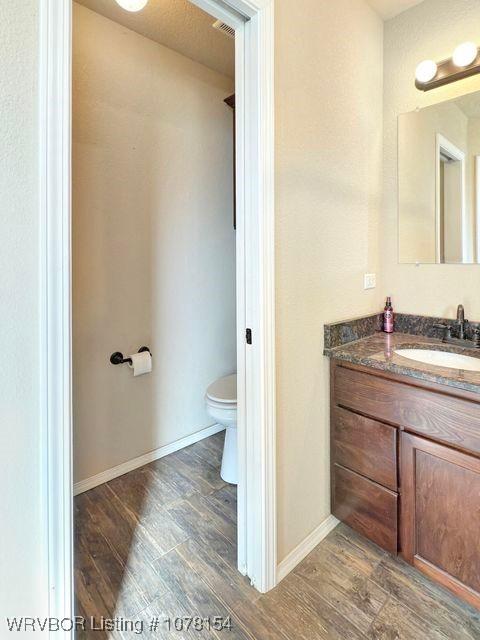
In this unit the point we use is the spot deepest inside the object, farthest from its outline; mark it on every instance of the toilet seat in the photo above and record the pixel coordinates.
(223, 392)
(222, 406)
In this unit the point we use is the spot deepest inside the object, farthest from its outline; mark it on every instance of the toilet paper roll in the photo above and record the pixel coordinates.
(141, 363)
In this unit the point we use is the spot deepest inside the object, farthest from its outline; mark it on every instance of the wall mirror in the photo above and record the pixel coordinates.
(439, 183)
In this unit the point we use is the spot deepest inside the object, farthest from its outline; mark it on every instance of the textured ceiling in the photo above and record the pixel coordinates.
(391, 8)
(177, 24)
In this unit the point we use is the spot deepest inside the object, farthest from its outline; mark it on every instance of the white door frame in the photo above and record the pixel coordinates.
(253, 20)
(441, 142)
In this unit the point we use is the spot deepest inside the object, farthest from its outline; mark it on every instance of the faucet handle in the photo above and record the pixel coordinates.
(447, 330)
(476, 338)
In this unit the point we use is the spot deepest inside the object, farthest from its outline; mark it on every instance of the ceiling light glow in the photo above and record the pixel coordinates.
(465, 54)
(426, 71)
(132, 5)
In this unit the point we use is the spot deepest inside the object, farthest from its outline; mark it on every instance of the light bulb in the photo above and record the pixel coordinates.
(132, 5)
(465, 54)
(426, 71)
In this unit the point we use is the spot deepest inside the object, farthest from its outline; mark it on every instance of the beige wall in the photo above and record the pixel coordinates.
(22, 550)
(328, 88)
(153, 241)
(430, 30)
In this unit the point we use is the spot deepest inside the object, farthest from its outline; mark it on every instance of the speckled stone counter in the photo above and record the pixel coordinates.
(338, 333)
(378, 352)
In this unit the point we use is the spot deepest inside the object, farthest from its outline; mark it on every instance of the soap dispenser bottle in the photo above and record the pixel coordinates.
(388, 316)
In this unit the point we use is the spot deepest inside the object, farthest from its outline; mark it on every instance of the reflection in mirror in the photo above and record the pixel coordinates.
(439, 183)
(450, 204)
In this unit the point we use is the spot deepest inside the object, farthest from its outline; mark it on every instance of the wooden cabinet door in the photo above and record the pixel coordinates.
(440, 514)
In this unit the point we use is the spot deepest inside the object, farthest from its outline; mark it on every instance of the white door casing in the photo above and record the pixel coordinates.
(253, 21)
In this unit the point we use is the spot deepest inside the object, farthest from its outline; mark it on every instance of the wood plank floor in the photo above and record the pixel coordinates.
(160, 542)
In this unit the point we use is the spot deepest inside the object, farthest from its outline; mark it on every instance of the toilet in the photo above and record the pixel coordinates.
(221, 403)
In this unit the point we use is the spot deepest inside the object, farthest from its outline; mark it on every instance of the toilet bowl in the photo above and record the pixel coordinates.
(221, 403)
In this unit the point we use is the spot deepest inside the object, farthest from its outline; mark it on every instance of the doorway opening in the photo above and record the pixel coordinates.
(452, 229)
(253, 24)
(154, 264)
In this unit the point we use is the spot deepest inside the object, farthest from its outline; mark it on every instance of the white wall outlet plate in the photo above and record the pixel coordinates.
(369, 281)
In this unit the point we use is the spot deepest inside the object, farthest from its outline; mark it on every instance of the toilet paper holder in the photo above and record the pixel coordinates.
(117, 357)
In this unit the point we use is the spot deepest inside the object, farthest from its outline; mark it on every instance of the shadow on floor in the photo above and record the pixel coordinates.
(127, 529)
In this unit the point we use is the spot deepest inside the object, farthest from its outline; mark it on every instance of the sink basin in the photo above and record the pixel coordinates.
(441, 358)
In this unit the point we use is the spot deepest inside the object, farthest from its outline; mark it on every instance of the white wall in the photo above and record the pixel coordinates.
(430, 30)
(328, 91)
(22, 555)
(153, 240)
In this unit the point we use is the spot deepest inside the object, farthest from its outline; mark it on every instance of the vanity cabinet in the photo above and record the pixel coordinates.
(405, 470)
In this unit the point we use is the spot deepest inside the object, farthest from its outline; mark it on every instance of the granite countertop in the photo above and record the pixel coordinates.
(377, 351)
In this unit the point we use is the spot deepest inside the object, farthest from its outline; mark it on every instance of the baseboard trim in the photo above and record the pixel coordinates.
(135, 463)
(303, 549)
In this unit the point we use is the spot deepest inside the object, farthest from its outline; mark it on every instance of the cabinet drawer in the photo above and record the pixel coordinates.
(366, 446)
(442, 417)
(366, 507)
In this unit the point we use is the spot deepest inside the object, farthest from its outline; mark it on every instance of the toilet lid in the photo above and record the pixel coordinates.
(224, 390)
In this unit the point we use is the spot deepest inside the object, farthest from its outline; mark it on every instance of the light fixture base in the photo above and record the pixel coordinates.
(447, 72)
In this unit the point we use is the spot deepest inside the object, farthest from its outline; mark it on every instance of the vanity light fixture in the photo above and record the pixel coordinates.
(426, 71)
(464, 62)
(465, 54)
(132, 5)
